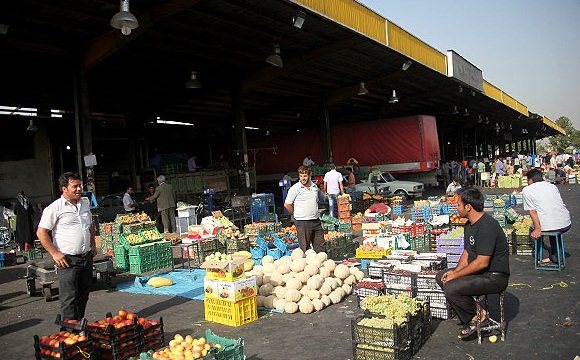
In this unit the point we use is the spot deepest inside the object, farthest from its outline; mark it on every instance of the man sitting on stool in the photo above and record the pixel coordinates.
(483, 267)
(547, 210)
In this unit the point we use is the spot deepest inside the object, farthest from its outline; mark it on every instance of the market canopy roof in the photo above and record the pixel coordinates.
(142, 76)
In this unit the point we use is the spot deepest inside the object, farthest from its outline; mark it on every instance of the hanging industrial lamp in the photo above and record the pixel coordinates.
(31, 127)
(274, 58)
(298, 19)
(362, 90)
(466, 113)
(193, 83)
(394, 99)
(455, 111)
(124, 20)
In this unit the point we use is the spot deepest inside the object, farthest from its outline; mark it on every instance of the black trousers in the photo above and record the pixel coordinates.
(460, 292)
(310, 232)
(74, 285)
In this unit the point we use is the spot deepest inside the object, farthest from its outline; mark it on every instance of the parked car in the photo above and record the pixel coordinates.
(385, 183)
(111, 205)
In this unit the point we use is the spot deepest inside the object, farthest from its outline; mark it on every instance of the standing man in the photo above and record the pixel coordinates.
(302, 202)
(72, 245)
(483, 267)
(166, 204)
(308, 160)
(547, 210)
(333, 187)
(480, 170)
(128, 202)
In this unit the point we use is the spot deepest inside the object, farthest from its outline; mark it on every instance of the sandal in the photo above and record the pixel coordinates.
(470, 330)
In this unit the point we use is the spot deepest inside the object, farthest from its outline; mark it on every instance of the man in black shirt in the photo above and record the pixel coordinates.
(483, 267)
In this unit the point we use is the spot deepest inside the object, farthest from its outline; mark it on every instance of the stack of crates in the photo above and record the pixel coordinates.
(106, 234)
(488, 203)
(238, 306)
(499, 211)
(522, 244)
(418, 213)
(142, 258)
(164, 254)
(262, 208)
(153, 337)
(344, 214)
(79, 350)
(452, 246)
(400, 282)
(356, 222)
(429, 290)
(329, 223)
(398, 210)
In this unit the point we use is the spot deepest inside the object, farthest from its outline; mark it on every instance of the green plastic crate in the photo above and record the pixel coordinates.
(232, 349)
(121, 258)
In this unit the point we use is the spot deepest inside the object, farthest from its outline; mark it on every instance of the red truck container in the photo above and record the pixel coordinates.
(407, 144)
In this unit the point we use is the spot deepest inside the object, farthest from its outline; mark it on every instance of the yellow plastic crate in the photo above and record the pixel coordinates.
(231, 313)
(365, 254)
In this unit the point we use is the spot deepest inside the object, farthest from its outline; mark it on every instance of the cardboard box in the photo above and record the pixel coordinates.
(223, 270)
(230, 290)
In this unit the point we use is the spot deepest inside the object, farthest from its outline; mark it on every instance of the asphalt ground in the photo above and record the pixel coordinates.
(542, 308)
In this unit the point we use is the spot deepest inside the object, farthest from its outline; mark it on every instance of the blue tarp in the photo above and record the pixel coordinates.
(185, 284)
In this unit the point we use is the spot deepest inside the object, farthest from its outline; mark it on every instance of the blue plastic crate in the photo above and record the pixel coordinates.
(275, 253)
(257, 253)
(398, 209)
(280, 245)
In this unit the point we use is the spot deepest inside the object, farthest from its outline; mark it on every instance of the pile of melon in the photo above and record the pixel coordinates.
(304, 282)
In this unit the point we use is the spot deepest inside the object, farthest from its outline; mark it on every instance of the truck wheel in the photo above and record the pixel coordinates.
(402, 193)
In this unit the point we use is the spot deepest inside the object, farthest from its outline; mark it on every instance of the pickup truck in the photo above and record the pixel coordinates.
(384, 183)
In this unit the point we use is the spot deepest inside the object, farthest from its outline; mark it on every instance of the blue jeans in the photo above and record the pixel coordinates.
(332, 204)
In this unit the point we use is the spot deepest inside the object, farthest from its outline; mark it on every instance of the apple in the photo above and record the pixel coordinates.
(122, 313)
(131, 316)
(82, 338)
(142, 321)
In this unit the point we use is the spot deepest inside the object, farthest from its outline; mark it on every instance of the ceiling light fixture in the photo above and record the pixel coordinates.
(4, 29)
(124, 20)
(472, 93)
(479, 119)
(510, 127)
(274, 58)
(460, 88)
(394, 99)
(362, 90)
(497, 128)
(406, 65)
(171, 122)
(298, 19)
(466, 113)
(31, 127)
(486, 120)
(524, 131)
(193, 83)
(455, 111)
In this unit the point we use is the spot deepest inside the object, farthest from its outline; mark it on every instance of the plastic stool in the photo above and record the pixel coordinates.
(560, 254)
(493, 324)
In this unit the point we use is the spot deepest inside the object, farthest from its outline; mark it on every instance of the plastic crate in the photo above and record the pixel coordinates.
(232, 349)
(397, 337)
(363, 292)
(63, 351)
(393, 278)
(369, 352)
(153, 336)
(231, 313)
(456, 250)
(365, 254)
(427, 282)
(233, 245)
(436, 298)
(275, 253)
(257, 252)
(442, 313)
(376, 272)
(411, 291)
(121, 258)
(453, 258)
(450, 242)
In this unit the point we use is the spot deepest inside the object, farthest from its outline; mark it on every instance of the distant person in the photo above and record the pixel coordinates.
(128, 203)
(480, 170)
(289, 180)
(191, 164)
(333, 187)
(308, 160)
(72, 245)
(351, 180)
(166, 204)
(24, 226)
(453, 187)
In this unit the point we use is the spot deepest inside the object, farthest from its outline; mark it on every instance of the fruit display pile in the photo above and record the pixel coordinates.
(456, 219)
(523, 225)
(187, 348)
(305, 282)
(394, 307)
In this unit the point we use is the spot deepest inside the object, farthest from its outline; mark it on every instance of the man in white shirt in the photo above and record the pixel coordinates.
(128, 202)
(453, 187)
(308, 160)
(333, 187)
(72, 245)
(548, 212)
(302, 202)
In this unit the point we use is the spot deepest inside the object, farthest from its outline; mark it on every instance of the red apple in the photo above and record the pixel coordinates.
(131, 316)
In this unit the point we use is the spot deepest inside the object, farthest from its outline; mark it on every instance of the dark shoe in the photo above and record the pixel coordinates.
(554, 259)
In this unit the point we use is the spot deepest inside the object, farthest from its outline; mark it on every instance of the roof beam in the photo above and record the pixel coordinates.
(107, 44)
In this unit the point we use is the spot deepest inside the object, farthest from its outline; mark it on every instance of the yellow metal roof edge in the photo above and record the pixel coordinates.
(325, 8)
(553, 125)
(505, 98)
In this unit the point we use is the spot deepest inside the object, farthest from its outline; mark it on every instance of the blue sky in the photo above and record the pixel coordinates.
(528, 48)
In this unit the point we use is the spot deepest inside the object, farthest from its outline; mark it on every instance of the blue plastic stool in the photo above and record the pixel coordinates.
(560, 254)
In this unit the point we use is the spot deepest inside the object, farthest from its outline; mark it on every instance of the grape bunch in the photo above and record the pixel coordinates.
(394, 307)
(523, 226)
